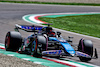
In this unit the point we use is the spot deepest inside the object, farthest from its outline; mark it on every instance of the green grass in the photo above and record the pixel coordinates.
(31, 2)
(86, 24)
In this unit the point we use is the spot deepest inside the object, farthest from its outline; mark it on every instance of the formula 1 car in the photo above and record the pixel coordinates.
(46, 42)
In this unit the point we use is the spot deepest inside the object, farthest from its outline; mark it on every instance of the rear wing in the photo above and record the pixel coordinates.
(27, 28)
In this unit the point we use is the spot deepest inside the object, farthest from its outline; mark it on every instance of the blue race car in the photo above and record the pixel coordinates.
(46, 42)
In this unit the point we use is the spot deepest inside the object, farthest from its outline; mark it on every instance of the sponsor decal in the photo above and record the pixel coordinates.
(82, 54)
(52, 52)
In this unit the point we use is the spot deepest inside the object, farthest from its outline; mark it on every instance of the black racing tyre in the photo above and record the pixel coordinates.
(13, 41)
(85, 46)
(41, 42)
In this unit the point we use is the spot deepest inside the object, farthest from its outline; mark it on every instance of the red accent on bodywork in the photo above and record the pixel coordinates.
(36, 44)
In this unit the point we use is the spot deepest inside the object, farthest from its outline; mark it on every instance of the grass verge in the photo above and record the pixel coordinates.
(86, 24)
(31, 2)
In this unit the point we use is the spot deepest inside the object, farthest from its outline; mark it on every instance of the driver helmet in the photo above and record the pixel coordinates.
(50, 32)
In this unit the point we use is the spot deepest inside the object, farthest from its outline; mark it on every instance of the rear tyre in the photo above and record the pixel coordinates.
(85, 46)
(13, 41)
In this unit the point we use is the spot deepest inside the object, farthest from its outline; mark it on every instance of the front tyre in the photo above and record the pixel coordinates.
(85, 46)
(84, 59)
(40, 45)
(13, 41)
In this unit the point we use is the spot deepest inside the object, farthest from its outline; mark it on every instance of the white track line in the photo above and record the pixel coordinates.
(32, 18)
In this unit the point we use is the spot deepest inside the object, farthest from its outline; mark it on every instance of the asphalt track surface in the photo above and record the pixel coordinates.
(11, 14)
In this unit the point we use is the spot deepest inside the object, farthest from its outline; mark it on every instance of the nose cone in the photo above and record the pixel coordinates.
(72, 55)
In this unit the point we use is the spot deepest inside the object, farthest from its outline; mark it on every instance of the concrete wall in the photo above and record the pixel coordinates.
(63, 1)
